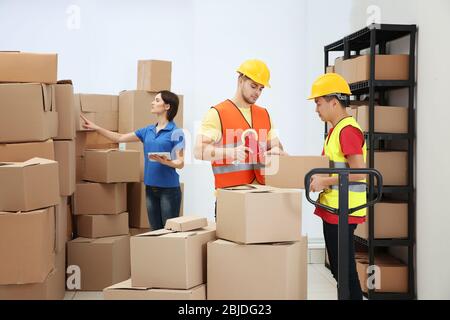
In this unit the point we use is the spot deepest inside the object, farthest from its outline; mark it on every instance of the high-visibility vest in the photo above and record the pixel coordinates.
(357, 190)
(226, 172)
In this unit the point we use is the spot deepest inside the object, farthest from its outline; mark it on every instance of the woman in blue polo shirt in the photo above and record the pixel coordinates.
(160, 177)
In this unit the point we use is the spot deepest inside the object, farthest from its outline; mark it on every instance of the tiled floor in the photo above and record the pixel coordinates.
(321, 286)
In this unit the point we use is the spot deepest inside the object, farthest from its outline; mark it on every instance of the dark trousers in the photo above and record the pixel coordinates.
(162, 204)
(330, 232)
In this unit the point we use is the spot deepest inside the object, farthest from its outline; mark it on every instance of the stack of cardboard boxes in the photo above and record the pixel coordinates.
(34, 109)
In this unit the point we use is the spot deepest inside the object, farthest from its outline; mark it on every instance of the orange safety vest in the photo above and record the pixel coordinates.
(233, 122)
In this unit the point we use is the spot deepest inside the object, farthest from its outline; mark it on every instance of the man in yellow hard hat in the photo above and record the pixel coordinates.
(236, 134)
(345, 147)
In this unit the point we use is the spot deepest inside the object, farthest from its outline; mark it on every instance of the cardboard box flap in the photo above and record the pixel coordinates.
(98, 103)
(250, 188)
(28, 163)
(48, 97)
(180, 234)
(155, 233)
(186, 223)
(125, 285)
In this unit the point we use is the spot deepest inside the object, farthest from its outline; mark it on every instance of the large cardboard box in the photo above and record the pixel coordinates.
(29, 185)
(290, 171)
(392, 274)
(259, 214)
(27, 246)
(65, 155)
(170, 260)
(387, 67)
(154, 75)
(387, 119)
(19, 152)
(102, 109)
(92, 140)
(100, 198)
(393, 166)
(98, 226)
(27, 112)
(257, 272)
(135, 110)
(124, 291)
(102, 262)
(64, 101)
(391, 221)
(18, 66)
(111, 165)
(53, 288)
(139, 147)
(61, 220)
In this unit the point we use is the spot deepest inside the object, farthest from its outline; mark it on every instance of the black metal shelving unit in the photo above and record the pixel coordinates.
(373, 37)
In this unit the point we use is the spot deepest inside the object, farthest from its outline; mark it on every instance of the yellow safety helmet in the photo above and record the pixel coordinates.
(329, 83)
(256, 70)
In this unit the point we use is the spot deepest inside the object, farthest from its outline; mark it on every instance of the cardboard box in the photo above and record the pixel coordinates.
(61, 225)
(65, 155)
(32, 105)
(393, 274)
(19, 152)
(387, 119)
(170, 260)
(79, 169)
(259, 214)
(187, 223)
(98, 226)
(53, 288)
(393, 166)
(92, 140)
(27, 246)
(391, 221)
(154, 75)
(102, 109)
(70, 217)
(290, 171)
(124, 291)
(387, 67)
(111, 165)
(16, 66)
(136, 231)
(29, 185)
(64, 101)
(102, 262)
(135, 110)
(100, 198)
(257, 272)
(139, 147)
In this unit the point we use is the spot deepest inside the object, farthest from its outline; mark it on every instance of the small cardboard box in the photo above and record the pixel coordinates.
(65, 155)
(393, 166)
(124, 291)
(154, 75)
(275, 271)
(259, 214)
(19, 152)
(98, 226)
(187, 223)
(100, 198)
(16, 66)
(29, 185)
(64, 101)
(171, 260)
(102, 109)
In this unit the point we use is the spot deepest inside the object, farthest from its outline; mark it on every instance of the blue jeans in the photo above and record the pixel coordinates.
(162, 204)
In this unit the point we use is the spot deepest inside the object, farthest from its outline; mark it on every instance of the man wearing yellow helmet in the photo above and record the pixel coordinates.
(224, 134)
(345, 147)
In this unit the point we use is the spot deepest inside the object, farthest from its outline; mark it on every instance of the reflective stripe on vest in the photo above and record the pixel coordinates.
(236, 168)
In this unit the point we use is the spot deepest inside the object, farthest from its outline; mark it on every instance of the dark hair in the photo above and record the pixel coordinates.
(171, 99)
(342, 99)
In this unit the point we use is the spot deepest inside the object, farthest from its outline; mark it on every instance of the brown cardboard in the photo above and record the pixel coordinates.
(98, 226)
(100, 198)
(387, 119)
(259, 214)
(387, 67)
(61, 224)
(124, 291)
(111, 165)
(136, 231)
(391, 221)
(70, 223)
(65, 155)
(135, 110)
(79, 169)
(27, 244)
(137, 146)
(292, 170)
(18, 66)
(29, 185)
(183, 268)
(257, 272)
(32, 105)
(103, 262)
(330, 69)
(187, 223)
(154, 75)
(393, 166)
(92, 140)
(102, 109)
(19, 152)
(64, 102)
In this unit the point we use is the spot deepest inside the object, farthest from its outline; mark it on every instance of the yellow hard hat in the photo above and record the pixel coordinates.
(327, 84)
(256, 70)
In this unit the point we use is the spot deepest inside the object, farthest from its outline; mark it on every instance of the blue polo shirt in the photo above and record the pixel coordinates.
(169, 139)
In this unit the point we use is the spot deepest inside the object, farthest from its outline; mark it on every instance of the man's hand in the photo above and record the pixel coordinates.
(317, 183)
(238, 153)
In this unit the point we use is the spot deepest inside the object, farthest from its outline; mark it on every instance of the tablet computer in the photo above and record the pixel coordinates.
(166, 154)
